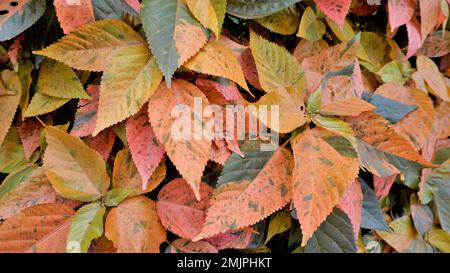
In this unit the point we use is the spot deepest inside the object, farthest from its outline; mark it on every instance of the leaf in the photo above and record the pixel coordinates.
(102, 143)
(253, 9)
(87, 225)
(373, 51)
(336, 10)
(40, 228)
(279, 223)
(414, 38)
(217, 60)
(86, 116)
(404, 238)
(133, 226)
(59, 81)
(72, 15)
(321, 177)
(352, 106)
(10, 102)
(211, 13)
(146, 150)
(75, 170)
(435, 81)
(400, 12)
(351, 203)
(125, 174)
(173, 34)
(29, 132)
(181, 151)
(178, 209)
(276, 66)
(17, 18)
(437, 45)
(249, 237)
(311, 28)
(115, 196)
(389, 109)
(12, 155)
(184, 246)
(372, 217)
(375, 132)
(25, 188)
(130, 79)
(335, 235)
(334, 124)
(429, 14)
(291, 108)
(249, 189)
(382, 185)
(112, 9)
(392, 72)
(439, 183)
(439, 239)
(285, 21)
(92, 46)
(422, 216)
(42, 104)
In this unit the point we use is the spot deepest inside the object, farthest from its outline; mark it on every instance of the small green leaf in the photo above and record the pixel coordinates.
(311, 28)
(279, 223)
(115, 196)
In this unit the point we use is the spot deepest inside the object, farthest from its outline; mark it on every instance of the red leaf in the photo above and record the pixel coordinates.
(86, 116)
(72, 15)
(336, 9)
(145, 148)
(102, 143)
(351, 204)
(29, 132)
(383, 185)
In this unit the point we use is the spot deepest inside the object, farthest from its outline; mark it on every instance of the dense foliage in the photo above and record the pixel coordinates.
(88, 161)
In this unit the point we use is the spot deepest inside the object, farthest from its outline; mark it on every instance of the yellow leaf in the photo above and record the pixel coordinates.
(284, 22)
(210, 13)
(276, 66)
(129, 81)
(59, 81)
(321, 177)
(334, 124)
(311, 28)
(218, 60)
(279, 223)
(10, 101)
(75, 170)
(91, 46)
(42, 104)
(439, 238)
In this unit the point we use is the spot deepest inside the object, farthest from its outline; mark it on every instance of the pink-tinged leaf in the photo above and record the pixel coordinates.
(86, 116)
(102, 143)
(14, 49)
(219, 151)
(239, 239)
(178, 209)
(414, 38)
(29, 132)
(336, 9)
(400, 12)
(146, 151)
(73, 14)
(226, 88)
(134, 4)
(351, 203)
(429, 14)
(383, 185)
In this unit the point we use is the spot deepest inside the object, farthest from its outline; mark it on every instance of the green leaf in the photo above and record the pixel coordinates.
(12, 155)
(111, 9)
(173, 34)
(253, 9)
(10, 85)
(311, 28)
(334, 124)
(19, 17)
(334, 235)
(284, 22)
(438, 181)
(115, 196)
(59, 81)
(75, 170)
(372, 52)
(440, 239)
(392, 72)
(279, 223)
(372, 217)
(87, 225)
(391, 110)
(42, 104)
(276, 66)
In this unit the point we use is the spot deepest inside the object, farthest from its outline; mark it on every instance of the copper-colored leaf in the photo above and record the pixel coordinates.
(72, 15)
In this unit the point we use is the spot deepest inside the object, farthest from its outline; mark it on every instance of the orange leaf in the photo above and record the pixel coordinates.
(189, 156)
(133, 226)
(71, 15)
(41, 228)
(184, 246)
(321, 177)
(429, 14)
(29, 132)
(179, 210)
